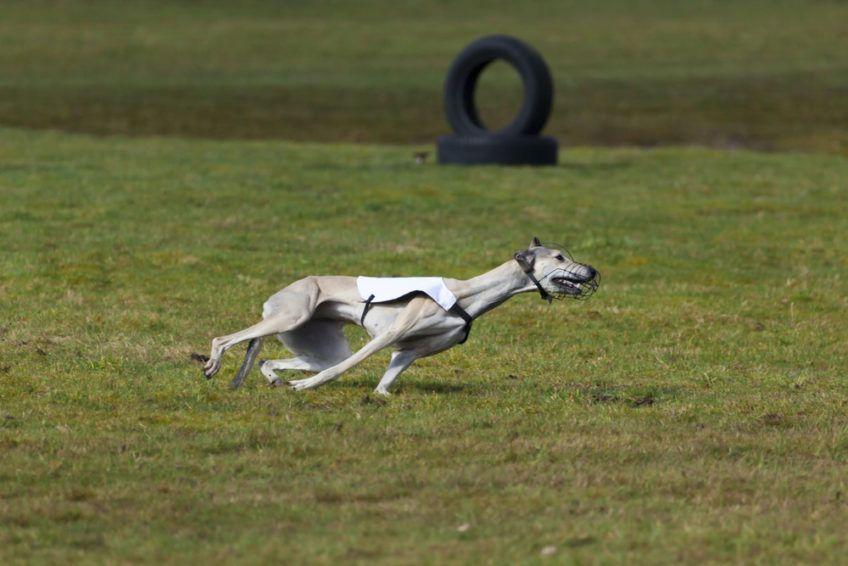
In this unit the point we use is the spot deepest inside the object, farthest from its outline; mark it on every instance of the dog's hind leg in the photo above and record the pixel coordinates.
(272, 325)
(318, 345)
(253, 348)
(296, 310)
(270, 367)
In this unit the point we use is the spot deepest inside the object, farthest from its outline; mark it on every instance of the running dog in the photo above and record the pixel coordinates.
(308, 315)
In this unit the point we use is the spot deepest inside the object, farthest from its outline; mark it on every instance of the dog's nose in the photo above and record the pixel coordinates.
(590, 272)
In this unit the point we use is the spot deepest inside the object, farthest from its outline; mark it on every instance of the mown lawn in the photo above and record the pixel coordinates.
(767, 74)
(694, 409)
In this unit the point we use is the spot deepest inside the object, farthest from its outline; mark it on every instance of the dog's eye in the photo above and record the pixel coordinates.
(559, 257)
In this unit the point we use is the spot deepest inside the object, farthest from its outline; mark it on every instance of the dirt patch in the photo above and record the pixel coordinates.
(199, 358)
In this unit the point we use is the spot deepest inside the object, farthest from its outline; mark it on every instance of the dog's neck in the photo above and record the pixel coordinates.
(481, 294)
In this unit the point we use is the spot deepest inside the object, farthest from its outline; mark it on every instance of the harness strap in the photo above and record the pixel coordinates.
(463, 314)
(466, 317)
(542, 293)
(366, 309)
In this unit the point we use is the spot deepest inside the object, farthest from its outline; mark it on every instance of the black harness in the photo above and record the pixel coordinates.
(456, 309)
(466, 317)
(365, 310)
(461, 312)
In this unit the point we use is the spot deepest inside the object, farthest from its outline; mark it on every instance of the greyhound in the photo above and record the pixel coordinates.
(308, 317)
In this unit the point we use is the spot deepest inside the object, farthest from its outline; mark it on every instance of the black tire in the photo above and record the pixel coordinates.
(462, 80)
(497, 149)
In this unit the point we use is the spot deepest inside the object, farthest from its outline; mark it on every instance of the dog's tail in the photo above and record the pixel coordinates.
(253, 348)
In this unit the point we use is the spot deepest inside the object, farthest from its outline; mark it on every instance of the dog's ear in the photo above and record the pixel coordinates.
(536, 243)
(525, 259)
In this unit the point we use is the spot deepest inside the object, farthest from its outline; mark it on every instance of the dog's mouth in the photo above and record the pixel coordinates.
(573, 285)
(567, 285)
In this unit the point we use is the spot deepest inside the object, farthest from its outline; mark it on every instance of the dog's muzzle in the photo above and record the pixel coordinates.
(576, 281)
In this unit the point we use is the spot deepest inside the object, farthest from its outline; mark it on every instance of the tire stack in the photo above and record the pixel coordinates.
(518, 143)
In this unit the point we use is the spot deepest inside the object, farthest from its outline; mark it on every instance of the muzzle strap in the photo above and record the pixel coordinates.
(542, 293)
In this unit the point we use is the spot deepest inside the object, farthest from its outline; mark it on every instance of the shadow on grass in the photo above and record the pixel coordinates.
(439, 387)
(634, 396)
(367, 385)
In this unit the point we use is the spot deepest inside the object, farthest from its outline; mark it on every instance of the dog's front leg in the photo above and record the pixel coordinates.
(334, 372)
(400, 361)
(405, 322)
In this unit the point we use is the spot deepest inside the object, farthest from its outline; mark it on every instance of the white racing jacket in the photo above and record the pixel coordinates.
(386, 289)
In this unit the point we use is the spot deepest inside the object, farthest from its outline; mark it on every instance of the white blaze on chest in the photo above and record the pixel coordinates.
(391, 288)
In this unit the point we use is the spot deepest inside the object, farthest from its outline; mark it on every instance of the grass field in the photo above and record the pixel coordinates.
(758, 73)
(165, 166)
(694, 409)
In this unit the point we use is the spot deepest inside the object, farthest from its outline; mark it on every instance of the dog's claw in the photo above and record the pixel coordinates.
(276, 383)
(211, 368)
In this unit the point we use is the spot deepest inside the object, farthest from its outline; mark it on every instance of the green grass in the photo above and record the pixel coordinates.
(762, 74)
(694, 409)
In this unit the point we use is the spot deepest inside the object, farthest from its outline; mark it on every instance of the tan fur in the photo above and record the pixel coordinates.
(307, 317)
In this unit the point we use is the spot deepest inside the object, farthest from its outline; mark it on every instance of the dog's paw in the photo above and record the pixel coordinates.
(276, 382)
(211, 368)
(303, 384)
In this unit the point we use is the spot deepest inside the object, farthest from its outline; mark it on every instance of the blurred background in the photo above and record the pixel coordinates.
(768, 75)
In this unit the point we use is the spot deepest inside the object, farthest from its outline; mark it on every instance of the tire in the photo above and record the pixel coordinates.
(461, 83)
(497, 149)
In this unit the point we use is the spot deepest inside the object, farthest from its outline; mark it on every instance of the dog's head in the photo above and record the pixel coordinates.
(557, 272)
